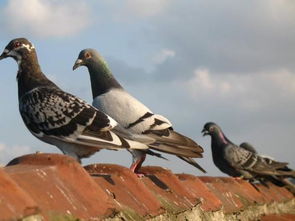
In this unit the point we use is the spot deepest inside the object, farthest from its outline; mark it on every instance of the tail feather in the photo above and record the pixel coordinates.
(177, 139)
(289, 185)
(192, 162)
(284, 182)
(152, 153)
(177, 144)
(174, 149)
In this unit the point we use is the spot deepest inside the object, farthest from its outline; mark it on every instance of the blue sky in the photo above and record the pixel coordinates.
(231, 62)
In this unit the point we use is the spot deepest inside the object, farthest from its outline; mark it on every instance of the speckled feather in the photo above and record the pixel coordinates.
(56, 117)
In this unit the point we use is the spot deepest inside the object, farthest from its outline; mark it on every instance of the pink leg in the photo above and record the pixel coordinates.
(136, 166)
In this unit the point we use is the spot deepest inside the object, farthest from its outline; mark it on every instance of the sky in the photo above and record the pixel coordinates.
(230, 62)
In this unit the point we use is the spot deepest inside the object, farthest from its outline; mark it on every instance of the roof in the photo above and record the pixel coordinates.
(56, 187)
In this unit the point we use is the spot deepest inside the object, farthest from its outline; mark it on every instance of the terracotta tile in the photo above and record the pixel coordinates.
(126, 188)
(278, 217)
(200, 190)
(167, 187)
(282, 192)
(59, 185)
(244, 190)
(270, 193)
(251, 191)
(230, 201)
(15, 203)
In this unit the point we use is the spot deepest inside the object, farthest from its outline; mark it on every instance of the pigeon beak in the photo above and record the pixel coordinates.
(78, 63)
(205, 132)
(4, 54)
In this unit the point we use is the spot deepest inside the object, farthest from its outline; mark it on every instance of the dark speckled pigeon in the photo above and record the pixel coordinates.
(133, 116)
(59, 118)
(237, 161)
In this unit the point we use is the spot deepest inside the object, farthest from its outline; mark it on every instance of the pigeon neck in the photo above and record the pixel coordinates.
(102, 79)
(223, 138)
(219, 138)
(29, 75)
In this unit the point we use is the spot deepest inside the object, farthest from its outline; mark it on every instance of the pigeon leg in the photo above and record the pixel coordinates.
(136, 166)
(138, 158)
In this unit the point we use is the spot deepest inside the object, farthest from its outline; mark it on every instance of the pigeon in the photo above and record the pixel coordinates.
(133, 116)
(57, 117)
(239, 162)
(277, 180)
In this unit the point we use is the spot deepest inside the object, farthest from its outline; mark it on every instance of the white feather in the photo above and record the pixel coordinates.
(126, 109)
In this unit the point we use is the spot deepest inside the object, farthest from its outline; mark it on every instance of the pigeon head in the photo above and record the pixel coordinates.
(215, 132)
(17, 49)
(210, 128)
(90, 57)
(101, 77)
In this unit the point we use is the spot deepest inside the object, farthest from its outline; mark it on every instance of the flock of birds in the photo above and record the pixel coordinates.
(117, 120)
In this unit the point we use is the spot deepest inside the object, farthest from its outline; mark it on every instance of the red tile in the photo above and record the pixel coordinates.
(15, 203)
(251, 191)
(244, 190)
(209, 201)
(58, 183)
(282, 192)
(278, 217)
(230, 201)
(126, 188)
(167, 187)
(270, 193)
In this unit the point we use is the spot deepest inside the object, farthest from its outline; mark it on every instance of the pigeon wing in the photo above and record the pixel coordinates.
(50, 112)
(243, 159)
(165, 138)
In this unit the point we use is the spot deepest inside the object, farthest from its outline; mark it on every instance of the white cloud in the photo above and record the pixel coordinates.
(8, 153)
(163, 55)
(46, 18)
(251, 91)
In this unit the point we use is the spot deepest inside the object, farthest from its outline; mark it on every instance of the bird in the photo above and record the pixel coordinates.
(57, 117)
(277, 180)
(237, 161)
(133, 116)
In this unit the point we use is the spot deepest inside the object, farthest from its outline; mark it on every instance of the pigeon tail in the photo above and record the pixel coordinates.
(152, 153)
(192, 162)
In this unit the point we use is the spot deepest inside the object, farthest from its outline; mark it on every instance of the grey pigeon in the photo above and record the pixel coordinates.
(59, 118)
(237, 161)
(277, 180)
(133, 116)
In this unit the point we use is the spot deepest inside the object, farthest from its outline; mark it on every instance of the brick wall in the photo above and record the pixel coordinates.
(55, 187)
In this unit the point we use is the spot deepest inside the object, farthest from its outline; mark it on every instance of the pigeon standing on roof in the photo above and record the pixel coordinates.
(133, 116)
(56, 117)
(237, 161)
(277, 180)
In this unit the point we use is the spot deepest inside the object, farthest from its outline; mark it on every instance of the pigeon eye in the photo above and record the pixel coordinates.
(16, 44)
(87, 55)
(211, 129)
